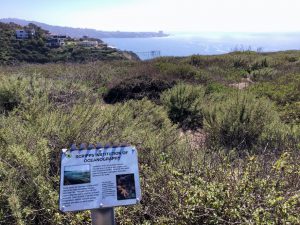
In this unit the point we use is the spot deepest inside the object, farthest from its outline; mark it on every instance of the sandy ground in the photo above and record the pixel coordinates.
(243, 84)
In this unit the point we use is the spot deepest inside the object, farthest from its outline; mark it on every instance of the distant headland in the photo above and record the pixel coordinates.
(79, 32)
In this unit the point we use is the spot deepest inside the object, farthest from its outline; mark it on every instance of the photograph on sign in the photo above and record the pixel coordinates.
(125, 186)
(80, 174)
(99, 178)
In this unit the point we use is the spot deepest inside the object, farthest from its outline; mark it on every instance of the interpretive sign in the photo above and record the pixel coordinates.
(99, 178)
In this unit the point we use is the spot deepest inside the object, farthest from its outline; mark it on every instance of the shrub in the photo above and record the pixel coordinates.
(215, 87)
(292, 59)
(241, 62)
(259, 64)
(239, 121)
(196, 60)
(202, 77)
(17, 90)
(291, 113)
(29, 165)
(10, 94)
(283, 90)
(278, 136)
(264, 74)
(179, 70)
(136, 88)
(184, 105)
(229, 196)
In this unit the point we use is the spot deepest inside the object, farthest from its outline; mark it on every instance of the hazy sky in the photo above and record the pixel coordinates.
(167, 15)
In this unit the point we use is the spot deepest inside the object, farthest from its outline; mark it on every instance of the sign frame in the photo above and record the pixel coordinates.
(99, 178)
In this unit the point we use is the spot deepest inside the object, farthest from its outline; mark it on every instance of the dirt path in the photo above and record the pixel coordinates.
(243, 84)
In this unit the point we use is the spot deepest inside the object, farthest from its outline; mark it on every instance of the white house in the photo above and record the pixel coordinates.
(88, 43)
(21, 34)
(25, 34)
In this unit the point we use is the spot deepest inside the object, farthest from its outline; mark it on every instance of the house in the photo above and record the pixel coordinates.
(58, 36)
(87, 43)
(22, 34)
(55, 41)
(25, 34)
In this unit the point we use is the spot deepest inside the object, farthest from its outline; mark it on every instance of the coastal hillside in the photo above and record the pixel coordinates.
(218, 137)
(32, 44)
(79, 32)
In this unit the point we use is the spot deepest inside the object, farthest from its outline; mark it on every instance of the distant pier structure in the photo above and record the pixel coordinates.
(149, 55)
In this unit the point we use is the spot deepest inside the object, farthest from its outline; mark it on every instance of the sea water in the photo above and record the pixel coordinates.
(184, 44)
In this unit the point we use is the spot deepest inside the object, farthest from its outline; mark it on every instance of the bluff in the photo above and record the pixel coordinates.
(79, 32)
(36, 48)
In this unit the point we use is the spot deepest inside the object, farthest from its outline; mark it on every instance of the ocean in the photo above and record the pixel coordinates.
(76, 177)
(184, 44)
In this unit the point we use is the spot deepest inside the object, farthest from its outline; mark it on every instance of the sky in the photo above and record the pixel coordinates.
(166, 15)
(79, 168)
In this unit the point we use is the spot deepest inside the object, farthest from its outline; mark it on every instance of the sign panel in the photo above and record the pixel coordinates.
(99, 178)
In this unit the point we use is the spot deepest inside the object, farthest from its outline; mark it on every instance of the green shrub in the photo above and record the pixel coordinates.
(196, 60)
(278, 136)
(202, 77)
(291, 113)
(10, 94)
(184, 105)
(230, 196)
(34, 135)
(246, 63)
(179, 70)
(217, 88)
(283, 90)
(241, 62)
(264, 74)
(292, 59)
(17, 90)
(239, 121)
(259, 64)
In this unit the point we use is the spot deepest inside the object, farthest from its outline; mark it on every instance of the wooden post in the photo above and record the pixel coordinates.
(104, 216)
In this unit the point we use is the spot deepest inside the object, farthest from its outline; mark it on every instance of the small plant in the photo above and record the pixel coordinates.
(292, 59)
(196, 60)
(10, 94)
(215, 87)
(240, 62)
(178, 70)
(184, 105)
(291, 113)
(263, 74)
(259, 64)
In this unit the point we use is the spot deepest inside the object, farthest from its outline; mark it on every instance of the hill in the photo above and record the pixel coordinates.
(36, 49)
(79, 32)
(211, 151)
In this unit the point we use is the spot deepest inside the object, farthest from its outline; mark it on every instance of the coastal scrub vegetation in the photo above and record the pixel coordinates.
(34, 49)
(184, 104)
(218, 136)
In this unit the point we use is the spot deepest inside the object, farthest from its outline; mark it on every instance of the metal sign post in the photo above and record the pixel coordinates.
(103, 216)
